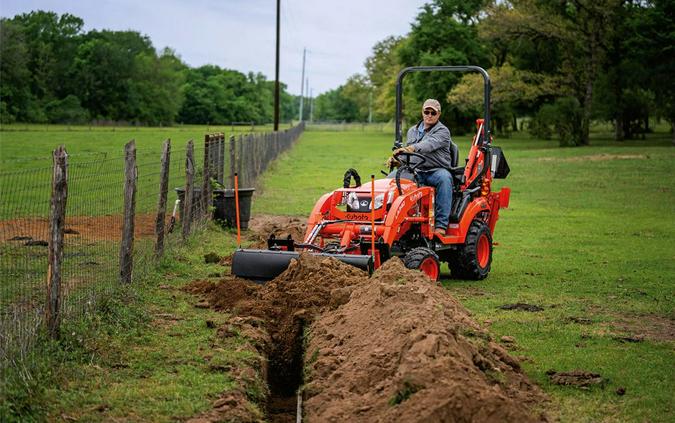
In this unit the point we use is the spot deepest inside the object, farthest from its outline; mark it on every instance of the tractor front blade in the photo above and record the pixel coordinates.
(268, 264)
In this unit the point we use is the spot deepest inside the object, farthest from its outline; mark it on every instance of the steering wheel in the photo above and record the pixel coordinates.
(406, 164)
(405, 161)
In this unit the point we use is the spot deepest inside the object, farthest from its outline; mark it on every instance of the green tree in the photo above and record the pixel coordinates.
(444, 33)
(579, 30)
(15, 94)
(513, 92)
(382, 68)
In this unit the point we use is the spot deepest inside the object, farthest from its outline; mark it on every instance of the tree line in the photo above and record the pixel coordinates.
(561, 64)
(52, 71)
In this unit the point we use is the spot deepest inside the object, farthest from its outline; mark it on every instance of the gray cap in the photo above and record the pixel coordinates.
(431, 103)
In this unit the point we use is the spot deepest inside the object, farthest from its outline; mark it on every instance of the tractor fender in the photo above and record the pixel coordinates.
(399, 210)
(478, 205)
(320, 208)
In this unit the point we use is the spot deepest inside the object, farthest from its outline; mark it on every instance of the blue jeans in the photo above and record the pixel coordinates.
(441, 180)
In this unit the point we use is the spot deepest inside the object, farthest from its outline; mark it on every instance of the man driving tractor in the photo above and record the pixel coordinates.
(431, 139)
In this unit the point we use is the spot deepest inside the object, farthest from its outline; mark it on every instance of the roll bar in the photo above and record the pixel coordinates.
(486, 95)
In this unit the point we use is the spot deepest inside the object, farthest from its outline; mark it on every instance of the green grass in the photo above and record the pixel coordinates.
(145, 355)
(96, 165)
(586, 236)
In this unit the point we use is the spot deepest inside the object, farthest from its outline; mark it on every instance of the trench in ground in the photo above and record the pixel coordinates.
(285, 375)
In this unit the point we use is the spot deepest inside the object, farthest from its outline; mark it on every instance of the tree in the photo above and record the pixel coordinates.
(513, 92)
(581, 30)
(444, 33)
(382, 68)
(15, 95)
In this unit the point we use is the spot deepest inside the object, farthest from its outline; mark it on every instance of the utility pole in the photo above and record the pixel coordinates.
(370, 107)
(302, 85)
(311, 105)
(276, 74)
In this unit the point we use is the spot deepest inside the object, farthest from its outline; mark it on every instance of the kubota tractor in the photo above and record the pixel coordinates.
(366, 224)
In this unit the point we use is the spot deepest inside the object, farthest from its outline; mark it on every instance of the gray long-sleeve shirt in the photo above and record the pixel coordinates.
(434, 145)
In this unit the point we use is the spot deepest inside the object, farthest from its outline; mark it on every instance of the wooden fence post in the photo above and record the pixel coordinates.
(57, 223)
(161, 204)
(221, 159)
(189, 189)
(206, 183)
(233, 163)
(127, 244)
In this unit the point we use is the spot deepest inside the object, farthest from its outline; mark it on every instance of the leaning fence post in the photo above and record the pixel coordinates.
(127, 244)
(161, 205)
(189, 189)
(57, 222)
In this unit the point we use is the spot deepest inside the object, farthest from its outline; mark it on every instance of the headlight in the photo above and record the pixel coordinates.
(379, 199)
(353, 201)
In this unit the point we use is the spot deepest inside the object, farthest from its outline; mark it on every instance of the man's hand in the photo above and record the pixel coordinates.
(392, 162)
(406, 149)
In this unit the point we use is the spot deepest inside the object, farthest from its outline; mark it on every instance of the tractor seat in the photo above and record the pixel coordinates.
(456, 172)
(457, 177)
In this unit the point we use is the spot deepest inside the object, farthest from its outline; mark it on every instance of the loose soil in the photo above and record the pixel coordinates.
(393, 347)
(402, 349)
(262, 226)
(579, 378)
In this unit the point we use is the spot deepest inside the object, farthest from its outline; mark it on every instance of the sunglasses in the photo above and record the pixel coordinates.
(430, 112)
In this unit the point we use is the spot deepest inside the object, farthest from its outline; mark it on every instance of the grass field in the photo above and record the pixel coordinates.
(588, 237)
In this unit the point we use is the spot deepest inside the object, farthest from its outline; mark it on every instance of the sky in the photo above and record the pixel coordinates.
(240, 34)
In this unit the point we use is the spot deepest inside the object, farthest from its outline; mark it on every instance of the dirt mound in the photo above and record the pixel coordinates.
(291, 300)
(402, 349)
(262, 226)
(282, 308)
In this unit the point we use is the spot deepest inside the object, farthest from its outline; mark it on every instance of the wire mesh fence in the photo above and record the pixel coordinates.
(94, 222)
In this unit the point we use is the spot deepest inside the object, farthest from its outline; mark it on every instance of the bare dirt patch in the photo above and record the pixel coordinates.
(651, 327)
(579, 378)
(90, 228)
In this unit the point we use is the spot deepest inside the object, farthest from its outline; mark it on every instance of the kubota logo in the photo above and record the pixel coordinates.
(357, 216)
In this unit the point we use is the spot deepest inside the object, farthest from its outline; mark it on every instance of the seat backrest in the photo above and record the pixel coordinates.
(454, 150)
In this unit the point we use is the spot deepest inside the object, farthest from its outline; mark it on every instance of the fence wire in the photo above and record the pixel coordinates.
(94, 223)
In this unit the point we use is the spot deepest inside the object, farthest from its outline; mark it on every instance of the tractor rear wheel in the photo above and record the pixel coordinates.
(424, 259)
(474, 257)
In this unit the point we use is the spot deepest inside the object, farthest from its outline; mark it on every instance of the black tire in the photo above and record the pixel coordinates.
(425, 260)
(473, 258)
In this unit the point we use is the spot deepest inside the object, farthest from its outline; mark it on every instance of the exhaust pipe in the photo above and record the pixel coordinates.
(264, 265)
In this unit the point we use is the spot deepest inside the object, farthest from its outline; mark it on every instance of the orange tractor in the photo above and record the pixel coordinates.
(366, 224)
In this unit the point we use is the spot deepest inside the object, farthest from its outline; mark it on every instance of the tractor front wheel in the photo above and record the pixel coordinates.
(424, 259)
(474, 257)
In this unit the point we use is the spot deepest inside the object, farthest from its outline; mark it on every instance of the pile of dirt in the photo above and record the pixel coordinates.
(262, 226)
(274, 316)
(401, 349)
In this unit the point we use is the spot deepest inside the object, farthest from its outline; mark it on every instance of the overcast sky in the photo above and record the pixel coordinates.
(240, 34)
